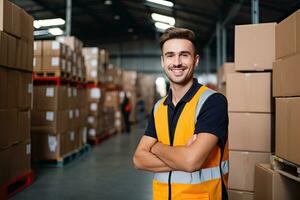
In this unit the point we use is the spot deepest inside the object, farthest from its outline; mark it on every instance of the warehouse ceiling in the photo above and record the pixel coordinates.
(106, 21)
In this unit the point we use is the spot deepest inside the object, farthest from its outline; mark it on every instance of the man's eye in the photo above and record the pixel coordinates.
(185, 55)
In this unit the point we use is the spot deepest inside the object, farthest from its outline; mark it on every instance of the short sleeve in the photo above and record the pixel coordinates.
(213, 117)
(150, 130)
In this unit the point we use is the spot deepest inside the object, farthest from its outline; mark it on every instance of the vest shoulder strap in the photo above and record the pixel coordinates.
(202, 99)
(157, 104)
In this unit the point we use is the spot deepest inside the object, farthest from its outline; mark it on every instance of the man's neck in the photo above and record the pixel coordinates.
(178, 91)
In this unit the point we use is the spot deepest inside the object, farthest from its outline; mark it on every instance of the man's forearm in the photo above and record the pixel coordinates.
(146, 160)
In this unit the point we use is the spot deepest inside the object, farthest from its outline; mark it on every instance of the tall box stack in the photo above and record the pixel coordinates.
(74, 56)
(113, 112)
(16, 55)
(248, 91)
(50, 122)
(146, 88)
(222, 74)
(129, 86)
(113, 76)
(95, 117)
(94, 67)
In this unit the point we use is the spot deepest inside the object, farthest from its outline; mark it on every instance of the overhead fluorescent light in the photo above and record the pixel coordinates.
(48, 22)
(163, 18)
(162, 2)
(56, 31)
(162, 26)
(41, 32)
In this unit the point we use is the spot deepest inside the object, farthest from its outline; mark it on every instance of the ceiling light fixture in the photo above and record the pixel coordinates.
(162, 2)
(162, 26)
(116, 17)
(48, 22)
(107, 2)
(163, 18)
(56, 31)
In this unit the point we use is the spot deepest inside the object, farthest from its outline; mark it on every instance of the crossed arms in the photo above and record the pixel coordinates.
(154, 156)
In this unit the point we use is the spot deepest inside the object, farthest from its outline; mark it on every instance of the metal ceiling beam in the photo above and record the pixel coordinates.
(49, 8)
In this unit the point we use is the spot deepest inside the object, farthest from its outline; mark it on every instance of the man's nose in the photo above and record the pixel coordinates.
(177, 61)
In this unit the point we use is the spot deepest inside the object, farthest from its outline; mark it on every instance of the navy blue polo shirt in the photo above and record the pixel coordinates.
(213, 116)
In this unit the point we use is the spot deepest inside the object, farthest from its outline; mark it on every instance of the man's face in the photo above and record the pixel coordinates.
(179, 60)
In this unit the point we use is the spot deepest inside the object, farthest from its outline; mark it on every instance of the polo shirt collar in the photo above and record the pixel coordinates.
(188, 95)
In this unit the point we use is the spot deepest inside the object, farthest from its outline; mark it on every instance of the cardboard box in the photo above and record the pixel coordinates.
(27, 27)
(12, 52)
(242, 168)
(16, 20)
(287, 129)
(254, 47)
(50, 97)
(71, 41)
(50, 121)
(37, 63)
(3, 49)
(129, 80)
(285, 77)
(53, 64)
(53, 49)
(270, 185)
(48, 146)
(6, 16)
(9, 128)
(240, 195)
(251, 132)
(24, 121)
(13, 89)
(25, 91)
(225, 69)
(38, 48)
(112, 99)
(15, 161)
(287, 36)
(29, 56)
(249, 92)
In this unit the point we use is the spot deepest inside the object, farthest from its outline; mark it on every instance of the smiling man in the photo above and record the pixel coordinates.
(185, 143)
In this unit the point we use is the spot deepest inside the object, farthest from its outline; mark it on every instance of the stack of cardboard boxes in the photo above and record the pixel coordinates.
(95, 118)
(129, 86)
(269, 184)
(248, 91)
(113, 76)
(112, 111)
(95, 61)
(222, 74)
(16, 52)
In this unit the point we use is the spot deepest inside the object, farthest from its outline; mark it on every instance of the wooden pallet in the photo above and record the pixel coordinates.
(285, 168)
(16, 185)
(66, 159)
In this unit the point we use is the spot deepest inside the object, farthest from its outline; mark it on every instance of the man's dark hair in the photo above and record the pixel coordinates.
(177, 33)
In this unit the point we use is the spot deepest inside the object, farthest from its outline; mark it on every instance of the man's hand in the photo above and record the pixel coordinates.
(192, 140)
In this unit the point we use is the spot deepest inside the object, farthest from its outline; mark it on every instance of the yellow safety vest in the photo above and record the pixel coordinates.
(203, 184)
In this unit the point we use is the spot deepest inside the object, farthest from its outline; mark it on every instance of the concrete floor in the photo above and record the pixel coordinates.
(106, 173)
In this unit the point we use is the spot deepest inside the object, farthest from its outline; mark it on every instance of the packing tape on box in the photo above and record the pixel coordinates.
(30, 88)
(35, 46)
(71, 115)
(95, 93)
(72, 136)
(52, 143)
(69, 92)
(91, 119)
(77, 113)
(74, 92)
(93, 73)
(49, 116)
(49, 92)
(34, 62)
(84, 134)
(94, 63)
(55, 61)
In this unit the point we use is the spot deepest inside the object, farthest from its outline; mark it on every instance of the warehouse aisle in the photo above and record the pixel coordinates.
(106, 173)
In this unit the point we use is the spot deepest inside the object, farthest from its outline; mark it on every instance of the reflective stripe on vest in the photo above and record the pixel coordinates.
(197, 177)
(204, 96)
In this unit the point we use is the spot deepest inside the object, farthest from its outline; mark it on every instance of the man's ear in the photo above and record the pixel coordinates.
(197, 60)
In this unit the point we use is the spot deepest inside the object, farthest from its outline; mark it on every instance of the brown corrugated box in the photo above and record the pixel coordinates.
(16, 20)
(50, 97)
(112, 99)
(286, 76)
(50, 121)
(48, 146)
(3, 49)
(240, 195)
(27, 27)
(53, 63)
(15, 161)
(5, 16)
(25, 91)
(287, 36)
(249, 92)
(225, 69)
(129, 80)
(242, 168)
(12, 88)
(9, 128)
(38, 48)
(24, 121)
(74, 43)
(270, 185)
(3, 88)
(287, 129)
(53, 49)
(254, 47)
(251, 132)
(12, 51)
(37, 63)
